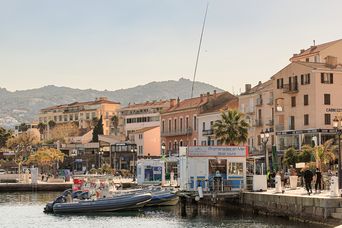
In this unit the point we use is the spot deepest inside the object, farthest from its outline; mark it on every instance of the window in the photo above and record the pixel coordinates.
(195, 142)
(169, 125)
(306, 119)
(327, 119)
(291, 122)
(65, 118)
(235, 168)
(280, 83)
(305, 79)
(87, 115)
(93, 115)
(327, 99)
(181, 124)
(175, 126)
(203, 126)
(195, 123)
(187, 122)
(71, 117)
(293, 101)
(163, 126)
(306, 99)
(76, 116)
(327, 78)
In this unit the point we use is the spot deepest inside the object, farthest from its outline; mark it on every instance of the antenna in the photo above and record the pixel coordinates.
(199, 50)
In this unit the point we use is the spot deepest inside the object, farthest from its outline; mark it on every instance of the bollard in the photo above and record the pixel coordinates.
(278, 187)
(334, 192)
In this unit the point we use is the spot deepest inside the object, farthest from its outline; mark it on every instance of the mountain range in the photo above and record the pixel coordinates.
(23, 106)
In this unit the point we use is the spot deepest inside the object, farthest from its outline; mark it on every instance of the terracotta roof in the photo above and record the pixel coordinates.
(314, 49)
(142, 130)
(147, 104)
(231, 104)
(322, 66)
(76, 104)
(197, 102)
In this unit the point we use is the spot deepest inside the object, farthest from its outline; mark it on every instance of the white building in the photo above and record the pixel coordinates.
(203, 164)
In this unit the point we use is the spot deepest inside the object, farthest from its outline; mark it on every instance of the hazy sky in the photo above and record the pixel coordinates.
(108, 44)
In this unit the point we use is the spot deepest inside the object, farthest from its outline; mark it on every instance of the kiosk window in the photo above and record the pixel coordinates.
(235, 168)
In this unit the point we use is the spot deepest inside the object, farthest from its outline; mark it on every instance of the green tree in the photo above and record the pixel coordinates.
(305, 154)
(4, 136)
(52, 124)
(232, 129)
(42, 127)
(98, 130)
(290, 157)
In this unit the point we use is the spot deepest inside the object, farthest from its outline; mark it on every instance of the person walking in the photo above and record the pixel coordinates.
(318, 181)
(308, 175)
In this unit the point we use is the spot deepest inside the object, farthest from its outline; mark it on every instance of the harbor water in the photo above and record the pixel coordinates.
(25, 209)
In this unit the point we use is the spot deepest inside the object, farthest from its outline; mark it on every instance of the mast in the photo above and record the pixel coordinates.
(199, 51)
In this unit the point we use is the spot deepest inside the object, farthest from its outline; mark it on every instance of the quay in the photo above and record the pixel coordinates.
(18, 187)
(292, 204)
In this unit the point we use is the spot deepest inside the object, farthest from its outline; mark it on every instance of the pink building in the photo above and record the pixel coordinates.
(148, 142)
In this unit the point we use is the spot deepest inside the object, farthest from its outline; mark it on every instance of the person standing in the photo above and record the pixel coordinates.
(308, 175)
(318, 181)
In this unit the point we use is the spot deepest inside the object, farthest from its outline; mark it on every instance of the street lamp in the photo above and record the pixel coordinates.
(134, 151)
(163, 148)
(264, 139)
(337, 124)
(100, 154)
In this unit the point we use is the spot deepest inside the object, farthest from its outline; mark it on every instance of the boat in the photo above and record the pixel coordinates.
(163, 198)
(116, 203)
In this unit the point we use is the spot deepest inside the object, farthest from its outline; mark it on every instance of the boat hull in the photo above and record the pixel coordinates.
(125, 202)
(163, 199)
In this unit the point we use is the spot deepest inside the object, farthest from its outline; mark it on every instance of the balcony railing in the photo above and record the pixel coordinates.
(269, 123)
(258, 101)
(279, 127)
(187, 131)
(208, 132)
(257, 123)
(291, 88)
(270, 101)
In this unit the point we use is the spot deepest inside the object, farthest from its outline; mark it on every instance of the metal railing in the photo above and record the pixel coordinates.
(187, 131)
(291, 88)
(208, 132)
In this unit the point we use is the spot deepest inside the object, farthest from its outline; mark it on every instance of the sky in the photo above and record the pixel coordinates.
(114, 44)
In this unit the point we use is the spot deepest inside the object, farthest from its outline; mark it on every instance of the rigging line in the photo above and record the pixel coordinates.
(199, 50)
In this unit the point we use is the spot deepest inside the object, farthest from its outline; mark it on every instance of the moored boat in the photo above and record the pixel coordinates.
(121, 202)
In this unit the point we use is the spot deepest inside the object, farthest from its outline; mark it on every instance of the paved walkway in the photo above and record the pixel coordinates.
(299, 191)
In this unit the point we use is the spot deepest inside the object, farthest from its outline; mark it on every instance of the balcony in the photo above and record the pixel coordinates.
(207, 132)
(291, 88)
(257, 123)
(259, 101)
(270, 123)
(279, 127)
(187, 131)
(270, 101)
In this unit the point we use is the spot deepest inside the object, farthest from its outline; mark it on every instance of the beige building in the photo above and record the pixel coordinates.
(258, 106)
(307, 96)
(82, 113)
(142, 115)
(148, 142)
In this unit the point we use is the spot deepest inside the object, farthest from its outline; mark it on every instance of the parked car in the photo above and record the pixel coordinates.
(2, 171)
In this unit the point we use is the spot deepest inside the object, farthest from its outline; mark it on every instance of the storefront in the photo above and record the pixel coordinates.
(150, 171)
(202, 166)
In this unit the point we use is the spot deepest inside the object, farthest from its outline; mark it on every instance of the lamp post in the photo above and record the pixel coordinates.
(100, 154)
(337, 124)
(163, 149)
(134, 151)
(264, 139)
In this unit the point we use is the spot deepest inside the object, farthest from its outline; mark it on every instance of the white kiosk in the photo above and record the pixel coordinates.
(220, 168)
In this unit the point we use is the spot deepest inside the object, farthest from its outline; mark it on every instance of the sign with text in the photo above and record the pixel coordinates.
(217, 151)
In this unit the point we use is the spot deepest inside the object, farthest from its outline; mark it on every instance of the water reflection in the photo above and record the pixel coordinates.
(26, 210)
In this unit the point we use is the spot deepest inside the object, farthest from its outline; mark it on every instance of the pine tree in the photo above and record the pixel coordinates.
(98, 130)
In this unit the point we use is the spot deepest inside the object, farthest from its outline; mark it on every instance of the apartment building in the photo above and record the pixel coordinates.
(179, 124)
(138, 116)
(148, 142)
(307, 96)
(82, 113)
(257, 104)
(206, 120)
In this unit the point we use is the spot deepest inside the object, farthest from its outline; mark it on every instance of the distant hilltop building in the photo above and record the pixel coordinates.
(82, 114)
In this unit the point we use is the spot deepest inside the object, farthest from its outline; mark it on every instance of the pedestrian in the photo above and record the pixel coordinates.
(318, 181)
(42, 177)
(308, 175)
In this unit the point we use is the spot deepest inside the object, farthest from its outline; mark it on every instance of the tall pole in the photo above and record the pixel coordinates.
(199, 51)
(339, 160)
(266, 157)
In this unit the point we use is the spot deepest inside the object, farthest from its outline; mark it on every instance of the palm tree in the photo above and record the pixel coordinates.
(323, 154)
(232, 129)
